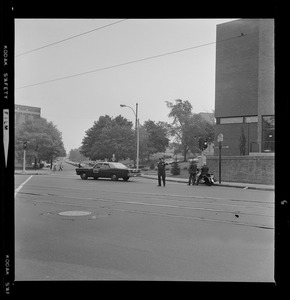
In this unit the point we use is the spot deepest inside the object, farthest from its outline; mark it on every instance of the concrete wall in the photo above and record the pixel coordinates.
(248, 169)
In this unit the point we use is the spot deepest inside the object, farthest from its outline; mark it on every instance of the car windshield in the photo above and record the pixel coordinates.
(118, 166)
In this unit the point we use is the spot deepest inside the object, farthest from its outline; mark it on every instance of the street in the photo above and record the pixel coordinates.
(72, 229)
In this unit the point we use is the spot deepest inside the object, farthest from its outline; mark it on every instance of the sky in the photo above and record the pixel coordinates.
(77, 70)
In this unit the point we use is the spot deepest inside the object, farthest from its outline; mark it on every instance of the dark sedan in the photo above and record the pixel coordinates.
(113, 170)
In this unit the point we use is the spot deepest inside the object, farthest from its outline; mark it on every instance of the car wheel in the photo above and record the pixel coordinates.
(125, 178)
(114, 177)
(84, 176)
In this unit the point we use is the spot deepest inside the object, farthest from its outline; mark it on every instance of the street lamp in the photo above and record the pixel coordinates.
(137, 131)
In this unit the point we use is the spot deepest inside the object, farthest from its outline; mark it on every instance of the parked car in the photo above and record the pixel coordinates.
(113, 170)
(45, 164)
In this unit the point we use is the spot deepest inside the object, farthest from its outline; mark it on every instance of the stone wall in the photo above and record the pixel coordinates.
(249, 169)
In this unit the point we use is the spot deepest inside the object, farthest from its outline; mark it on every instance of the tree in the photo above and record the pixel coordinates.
(44, 141)
(187, 128)
(180, 127)
(157, 139)
(175, 169)
(200, 130)
(109, 136)
(75, 155)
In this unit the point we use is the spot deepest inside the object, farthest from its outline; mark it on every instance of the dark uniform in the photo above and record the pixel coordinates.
(204, 171)
(192, 173)
(161, 171)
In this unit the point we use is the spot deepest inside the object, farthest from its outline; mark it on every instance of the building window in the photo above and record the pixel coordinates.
(231, 120)
(268, 133)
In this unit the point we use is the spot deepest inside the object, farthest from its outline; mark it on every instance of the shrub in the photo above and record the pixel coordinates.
(175, 169)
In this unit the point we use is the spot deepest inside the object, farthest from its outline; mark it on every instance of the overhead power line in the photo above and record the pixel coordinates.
(130, 62)
(69, 38)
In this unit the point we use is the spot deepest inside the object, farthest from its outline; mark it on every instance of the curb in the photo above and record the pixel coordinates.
(243, 186)
(31, 173)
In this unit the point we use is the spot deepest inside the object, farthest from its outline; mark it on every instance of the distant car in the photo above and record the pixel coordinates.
(113, 170)
(169, 160)
(46, 165)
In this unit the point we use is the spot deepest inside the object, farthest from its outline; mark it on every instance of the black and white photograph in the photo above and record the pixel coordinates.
(144, 149)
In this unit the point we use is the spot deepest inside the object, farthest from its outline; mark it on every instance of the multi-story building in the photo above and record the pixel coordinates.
(24, 112)
(244, 98)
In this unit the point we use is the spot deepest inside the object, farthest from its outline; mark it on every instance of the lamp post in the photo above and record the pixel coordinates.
(24, 155)
(137, 131)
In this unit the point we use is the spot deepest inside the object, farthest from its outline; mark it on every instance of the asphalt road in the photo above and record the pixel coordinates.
(72, 229)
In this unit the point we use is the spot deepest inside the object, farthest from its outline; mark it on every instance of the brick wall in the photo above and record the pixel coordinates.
(237, 68)
(248, 169)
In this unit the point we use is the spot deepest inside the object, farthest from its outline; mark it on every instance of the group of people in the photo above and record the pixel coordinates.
(59, 166)
(192, 170)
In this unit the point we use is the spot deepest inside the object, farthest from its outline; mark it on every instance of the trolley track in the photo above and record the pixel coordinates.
(180, 211)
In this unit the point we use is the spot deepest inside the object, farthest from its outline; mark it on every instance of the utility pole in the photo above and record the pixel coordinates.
(24, 155)
(137, 132)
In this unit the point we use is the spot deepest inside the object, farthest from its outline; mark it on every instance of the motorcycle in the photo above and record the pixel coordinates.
(208, 179)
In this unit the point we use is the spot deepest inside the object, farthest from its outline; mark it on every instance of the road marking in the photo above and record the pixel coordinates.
(22, 184)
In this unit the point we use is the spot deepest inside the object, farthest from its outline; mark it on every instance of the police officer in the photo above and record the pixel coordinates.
(204, 171)
(161, 171)
(192, 172)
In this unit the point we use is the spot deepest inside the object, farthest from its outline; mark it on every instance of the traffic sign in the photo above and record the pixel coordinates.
(224, 147)
(220, 137)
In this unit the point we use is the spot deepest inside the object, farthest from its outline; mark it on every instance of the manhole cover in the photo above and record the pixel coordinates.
(74, 213)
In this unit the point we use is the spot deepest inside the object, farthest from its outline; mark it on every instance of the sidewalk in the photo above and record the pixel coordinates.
(264, 187)
(34, 172)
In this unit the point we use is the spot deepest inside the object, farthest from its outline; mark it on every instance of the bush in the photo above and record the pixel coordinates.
(175, 169)
(152, 166)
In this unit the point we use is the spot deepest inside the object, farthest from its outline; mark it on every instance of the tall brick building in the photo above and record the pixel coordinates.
(244, 98)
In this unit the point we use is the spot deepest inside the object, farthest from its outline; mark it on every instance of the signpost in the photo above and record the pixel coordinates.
(220, 139)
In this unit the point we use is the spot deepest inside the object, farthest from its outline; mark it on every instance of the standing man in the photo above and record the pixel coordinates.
(192, 172)
(161, 171)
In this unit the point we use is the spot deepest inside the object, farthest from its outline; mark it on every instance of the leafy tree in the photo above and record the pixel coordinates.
(75, 155)
(180, 127)
(44, 141)
(109, 136)
(188, 127)
(157, 140)
(199, 128)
